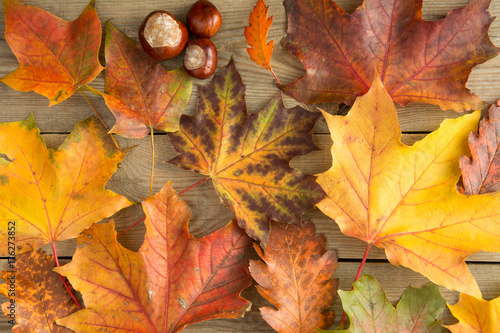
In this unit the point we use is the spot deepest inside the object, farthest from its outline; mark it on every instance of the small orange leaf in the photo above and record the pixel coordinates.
(55, 56)
(173, 281)
(39, 294)
(256, 35)
(53, 195)
(296, 277)
(475, 315)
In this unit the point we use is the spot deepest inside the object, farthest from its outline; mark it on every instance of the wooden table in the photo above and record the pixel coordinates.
(132, 179)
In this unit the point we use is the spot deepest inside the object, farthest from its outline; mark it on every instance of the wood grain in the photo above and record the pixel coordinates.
(207, 213)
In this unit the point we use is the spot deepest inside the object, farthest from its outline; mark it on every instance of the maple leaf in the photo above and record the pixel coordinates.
(53, 195)
(173, 281)
(296, 278)
(247, 155)
(39, 295)
(256, 36)
(141, 94)
(482, 173)
(367, 306)
(404, 198)
(418, 61)
(475, 315)
(55, 56)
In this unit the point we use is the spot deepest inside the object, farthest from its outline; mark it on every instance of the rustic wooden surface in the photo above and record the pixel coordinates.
(132, 179)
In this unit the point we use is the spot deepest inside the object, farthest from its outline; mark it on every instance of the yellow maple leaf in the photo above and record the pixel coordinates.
(475, 315)
(404, 198)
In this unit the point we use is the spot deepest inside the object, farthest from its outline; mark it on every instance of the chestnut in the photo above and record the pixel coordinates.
(162, 36)
(200, 59)
(203, 19)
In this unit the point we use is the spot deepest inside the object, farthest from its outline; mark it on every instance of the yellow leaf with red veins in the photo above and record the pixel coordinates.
(38, 294)
(53, 195)
(173, 281)
(475, 315)
(404, 199)
(55, 56)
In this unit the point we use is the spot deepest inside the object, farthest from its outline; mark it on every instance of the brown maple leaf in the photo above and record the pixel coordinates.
(141, 94)
(173, 281)
(417, 60)
(247, 155)
(296, 277)
(404, 199)
(481, 174)
(38, 295)
(53, 195)
(55, 56)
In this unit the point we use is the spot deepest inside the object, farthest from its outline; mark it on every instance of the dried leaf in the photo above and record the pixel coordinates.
(367, 306)
(404, 198)
(418, 61)
(38, 294)
(141, 94)
(247, 155)
(173, 281)
(53, 195)
(55, 56)
(481, 174)
(256, 36)
(296, 277)
(475, 315)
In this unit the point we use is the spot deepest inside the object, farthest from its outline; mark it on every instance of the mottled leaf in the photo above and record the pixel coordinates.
(53, 195)
(38, 295)
(481, 174)
(418, 311)
(247, 155)
(173, 281)
(418, 61)
(55, 56)
(404, 199)
(256, 36)
(139, 91)
(475, 315)
(296, 277)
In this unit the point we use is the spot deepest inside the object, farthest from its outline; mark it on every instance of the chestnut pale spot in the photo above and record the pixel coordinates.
(162, 30)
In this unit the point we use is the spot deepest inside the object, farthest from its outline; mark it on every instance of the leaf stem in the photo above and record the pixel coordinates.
(133, 225)
(358, 274)
(102, 121)
(275, 77)
(54, 251)
(194, 185)
(152, 163)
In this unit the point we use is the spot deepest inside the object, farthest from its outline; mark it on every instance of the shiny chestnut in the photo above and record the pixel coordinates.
(204, 19)
(162, 36)
(200, 59)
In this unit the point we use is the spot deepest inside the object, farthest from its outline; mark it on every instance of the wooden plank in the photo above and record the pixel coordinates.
(207, 213)
(394, 281)
(230, 43)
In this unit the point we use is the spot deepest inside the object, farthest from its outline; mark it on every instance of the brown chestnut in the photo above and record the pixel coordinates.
(162, 36)
(200, 59)
(203, 19)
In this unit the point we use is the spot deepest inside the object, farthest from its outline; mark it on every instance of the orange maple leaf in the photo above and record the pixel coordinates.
(39, 295)
(141, 94)
(404, 199)
(53, 195)
(296, 277)
(173, 281)
(475, 315)
(256, 35)
(53, 62)
(418, 61)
